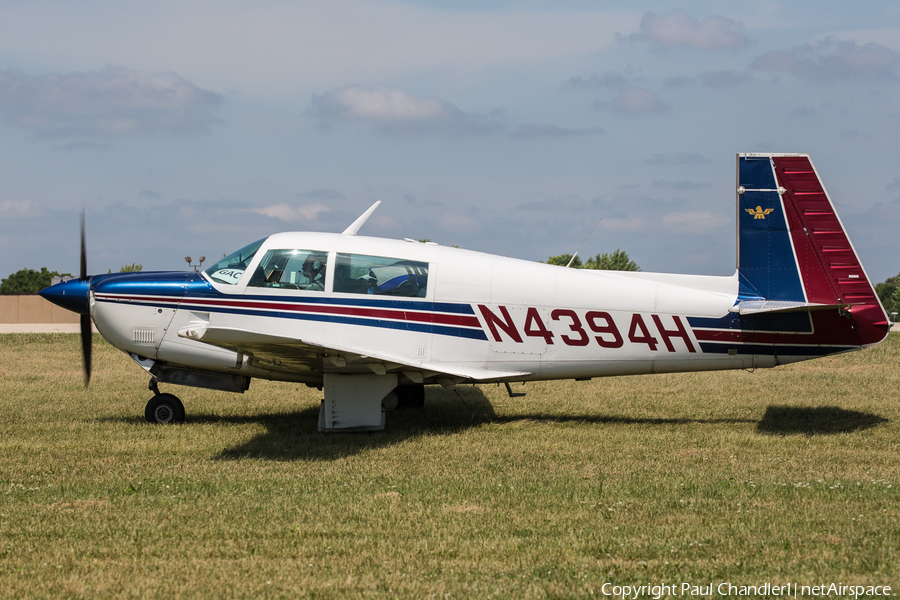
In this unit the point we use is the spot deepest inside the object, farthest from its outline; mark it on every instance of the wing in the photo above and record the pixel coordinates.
(316, 356)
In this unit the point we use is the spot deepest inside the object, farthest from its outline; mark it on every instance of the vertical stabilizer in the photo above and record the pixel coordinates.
(792, 247)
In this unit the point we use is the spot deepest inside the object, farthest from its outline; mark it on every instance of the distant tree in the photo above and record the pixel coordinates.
(28, 281)
(132, 268)
(563, 259)
(616, 261)
(889, 293)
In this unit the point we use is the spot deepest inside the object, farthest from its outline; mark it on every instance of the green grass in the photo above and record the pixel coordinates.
(782, 475)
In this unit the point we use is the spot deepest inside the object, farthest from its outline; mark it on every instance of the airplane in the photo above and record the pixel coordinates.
(373, 321)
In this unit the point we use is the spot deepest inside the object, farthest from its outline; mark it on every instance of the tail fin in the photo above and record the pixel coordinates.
(793, 251)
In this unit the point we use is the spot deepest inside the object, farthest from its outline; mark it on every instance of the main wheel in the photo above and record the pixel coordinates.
(164, 408)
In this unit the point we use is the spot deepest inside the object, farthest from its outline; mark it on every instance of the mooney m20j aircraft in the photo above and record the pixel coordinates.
(373, 320)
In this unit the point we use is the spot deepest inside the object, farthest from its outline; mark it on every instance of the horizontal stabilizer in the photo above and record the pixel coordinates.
(752, 307)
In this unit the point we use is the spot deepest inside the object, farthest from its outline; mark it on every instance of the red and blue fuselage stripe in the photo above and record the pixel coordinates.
(441, 318)
(789, 334)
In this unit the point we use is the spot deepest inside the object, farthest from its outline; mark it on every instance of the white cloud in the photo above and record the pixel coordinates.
(680, 30)
(112, 101)
(833, 60)
(10, 208)
(394, 111)
(286, 48)
(380, 103)
(285, 212)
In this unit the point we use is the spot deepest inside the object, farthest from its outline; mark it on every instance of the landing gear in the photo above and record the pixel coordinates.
(164, 408)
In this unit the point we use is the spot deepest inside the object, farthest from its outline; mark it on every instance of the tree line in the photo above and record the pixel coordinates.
(29, 281)
(608, 261)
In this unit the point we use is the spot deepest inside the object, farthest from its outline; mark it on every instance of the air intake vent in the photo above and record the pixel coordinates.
(144, 335)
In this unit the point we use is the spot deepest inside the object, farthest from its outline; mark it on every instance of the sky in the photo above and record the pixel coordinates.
(193, 128)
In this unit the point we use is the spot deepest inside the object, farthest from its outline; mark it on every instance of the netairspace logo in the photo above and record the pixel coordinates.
(787, 590)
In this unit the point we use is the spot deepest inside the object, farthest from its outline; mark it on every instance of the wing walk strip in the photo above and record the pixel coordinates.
(451, 322)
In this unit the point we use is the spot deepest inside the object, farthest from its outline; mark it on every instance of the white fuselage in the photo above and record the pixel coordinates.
(479, 311)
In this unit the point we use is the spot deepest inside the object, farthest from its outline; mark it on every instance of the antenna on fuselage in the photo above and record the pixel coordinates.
(571, 260)
(362, 219)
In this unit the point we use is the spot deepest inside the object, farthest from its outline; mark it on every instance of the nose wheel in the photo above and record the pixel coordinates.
(163, 408)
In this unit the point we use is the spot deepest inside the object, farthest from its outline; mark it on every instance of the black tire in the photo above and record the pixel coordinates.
(164, 409)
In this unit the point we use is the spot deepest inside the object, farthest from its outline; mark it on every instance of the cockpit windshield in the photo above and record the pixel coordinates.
(230, 269)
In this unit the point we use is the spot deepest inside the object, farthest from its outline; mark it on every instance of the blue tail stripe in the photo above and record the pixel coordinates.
(766, 259)
(756, 173)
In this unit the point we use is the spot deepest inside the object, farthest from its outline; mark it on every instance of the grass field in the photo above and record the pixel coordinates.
(781, 475)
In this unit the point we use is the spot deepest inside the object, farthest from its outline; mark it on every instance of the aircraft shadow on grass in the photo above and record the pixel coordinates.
(820, 420)
(287, 436)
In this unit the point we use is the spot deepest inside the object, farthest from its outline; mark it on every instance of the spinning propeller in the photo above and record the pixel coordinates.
(86, 334)
(75, 295)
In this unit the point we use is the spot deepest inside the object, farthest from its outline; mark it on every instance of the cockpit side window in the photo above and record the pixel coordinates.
(379, 275)
(230, 269)
(291, 269)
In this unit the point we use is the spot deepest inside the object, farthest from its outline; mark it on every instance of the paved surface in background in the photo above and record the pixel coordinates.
(42, 328)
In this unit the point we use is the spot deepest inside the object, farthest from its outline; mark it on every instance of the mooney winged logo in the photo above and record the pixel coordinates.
(760, 212)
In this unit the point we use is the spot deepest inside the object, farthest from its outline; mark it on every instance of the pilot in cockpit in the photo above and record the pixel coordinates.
(314, 271)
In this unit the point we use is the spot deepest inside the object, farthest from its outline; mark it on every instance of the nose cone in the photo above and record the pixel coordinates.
(74, 295)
